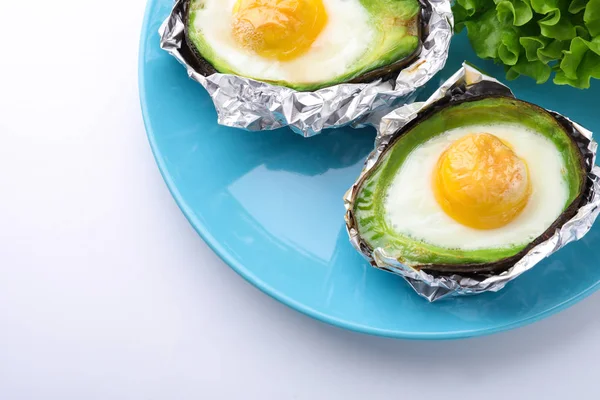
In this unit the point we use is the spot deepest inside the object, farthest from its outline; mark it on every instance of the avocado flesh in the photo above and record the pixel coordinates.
(369, 213)
(396, 23)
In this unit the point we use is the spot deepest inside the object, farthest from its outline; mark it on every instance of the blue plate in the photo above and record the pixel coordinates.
(270, 204)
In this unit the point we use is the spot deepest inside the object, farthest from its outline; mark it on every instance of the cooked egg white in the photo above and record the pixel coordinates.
(411, 207)
(344, 39)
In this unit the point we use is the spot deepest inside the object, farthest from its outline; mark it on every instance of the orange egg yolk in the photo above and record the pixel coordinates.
(278, 29)
(480, 182)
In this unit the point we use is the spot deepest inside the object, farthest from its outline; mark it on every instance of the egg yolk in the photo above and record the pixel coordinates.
(278, 29)
(480, 182)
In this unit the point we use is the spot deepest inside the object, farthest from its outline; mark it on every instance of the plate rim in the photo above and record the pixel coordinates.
(272, 292)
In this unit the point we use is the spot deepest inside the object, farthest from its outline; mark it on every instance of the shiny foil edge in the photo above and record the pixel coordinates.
(255, 106)
(448, 285)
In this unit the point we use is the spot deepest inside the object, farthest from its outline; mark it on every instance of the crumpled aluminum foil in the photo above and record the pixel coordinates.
(253, 105)
(441, 286)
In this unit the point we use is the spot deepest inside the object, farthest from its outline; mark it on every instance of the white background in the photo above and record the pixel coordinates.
(106, 292)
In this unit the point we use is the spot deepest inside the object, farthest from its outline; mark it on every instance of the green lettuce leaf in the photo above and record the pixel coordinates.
(534, 69)
(591, 17)
(577, 6)
(573, 58)
(509, 48)
(553, 51)
(536, 37)
(533, 45)
(544, 6)
(589, 68)
(515, 12)
(471, 6)
(485, 34)
(555, 26)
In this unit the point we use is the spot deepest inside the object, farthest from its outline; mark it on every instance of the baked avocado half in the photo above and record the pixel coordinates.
(471, 185)
(304, 44)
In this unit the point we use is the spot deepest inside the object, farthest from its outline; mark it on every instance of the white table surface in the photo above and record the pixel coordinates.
(106, 292)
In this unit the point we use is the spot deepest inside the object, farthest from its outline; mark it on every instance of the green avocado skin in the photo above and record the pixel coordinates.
(369, 211)
(396, 23)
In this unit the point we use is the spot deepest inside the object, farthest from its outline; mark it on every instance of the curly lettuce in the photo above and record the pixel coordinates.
(536, 38)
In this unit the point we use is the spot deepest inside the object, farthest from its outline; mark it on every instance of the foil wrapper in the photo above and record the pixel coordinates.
(253, 105)
(469, 81)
